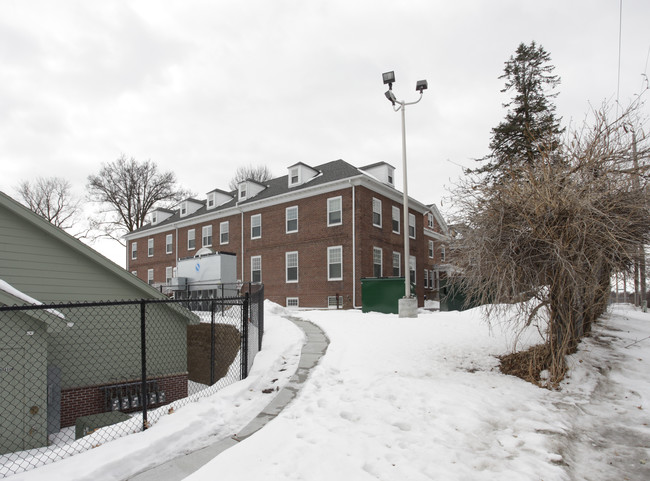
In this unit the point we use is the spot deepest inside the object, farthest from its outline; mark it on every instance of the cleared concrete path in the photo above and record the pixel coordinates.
(184, 465)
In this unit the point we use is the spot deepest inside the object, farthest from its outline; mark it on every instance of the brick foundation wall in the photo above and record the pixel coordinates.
(84, 401)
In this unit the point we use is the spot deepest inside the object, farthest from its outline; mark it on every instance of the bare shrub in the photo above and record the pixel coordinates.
(555, 232)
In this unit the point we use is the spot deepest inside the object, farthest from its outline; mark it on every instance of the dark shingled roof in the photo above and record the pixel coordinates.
(329, 172)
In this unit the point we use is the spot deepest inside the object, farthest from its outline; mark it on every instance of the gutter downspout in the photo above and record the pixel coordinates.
(176, 251)
(354, 249)
(242, 244)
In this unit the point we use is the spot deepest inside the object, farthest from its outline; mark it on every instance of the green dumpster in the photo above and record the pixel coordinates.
(381, 294)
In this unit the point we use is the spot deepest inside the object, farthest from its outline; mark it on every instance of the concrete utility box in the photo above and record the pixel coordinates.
(88, 424)
(382, 294)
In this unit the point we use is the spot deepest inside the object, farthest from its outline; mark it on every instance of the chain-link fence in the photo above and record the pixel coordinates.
(73, 376)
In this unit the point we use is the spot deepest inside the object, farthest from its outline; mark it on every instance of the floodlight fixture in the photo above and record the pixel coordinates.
(391, 96)
(421, 85)
(389, 78)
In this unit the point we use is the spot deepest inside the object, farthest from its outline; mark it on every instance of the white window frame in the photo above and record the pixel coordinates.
(134, 250)
(256, 261)
(150, 247)
(206, 236)
(135, 273)
(169, 273)
(212, 200)
(431, 249)
(331, 211)
(292, 302)
(426, 278)
(330, 251)
(287, 219)
(376, 211)
(413, 270)
(183, 209)
(396, 218)
(224, 230)
(150, 277)
(169, 244)
(430, 220)
(192, 238)
(399, 264)
(294, 173)
(377, 254)
(242, 191)
(412, 226)
(256, 221)
(331, 302)
(287, 266)
(443, 253)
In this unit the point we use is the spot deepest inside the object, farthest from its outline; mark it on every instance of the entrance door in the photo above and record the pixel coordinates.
(12, 400)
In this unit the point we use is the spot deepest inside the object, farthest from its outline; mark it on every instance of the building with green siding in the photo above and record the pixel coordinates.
(86, 350)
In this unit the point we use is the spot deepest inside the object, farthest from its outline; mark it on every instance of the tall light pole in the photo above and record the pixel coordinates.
(408, 306)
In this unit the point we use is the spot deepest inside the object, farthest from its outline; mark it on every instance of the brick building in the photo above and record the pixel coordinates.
(310, 236)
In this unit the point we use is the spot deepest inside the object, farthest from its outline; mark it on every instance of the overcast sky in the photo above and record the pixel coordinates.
(201, 88)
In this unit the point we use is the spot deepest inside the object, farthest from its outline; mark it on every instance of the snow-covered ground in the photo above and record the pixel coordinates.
(411, 399)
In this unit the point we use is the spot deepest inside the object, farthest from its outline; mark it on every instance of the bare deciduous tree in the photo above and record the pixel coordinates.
(52, 199)
(260, 174)
(550, 238)
(127, 191)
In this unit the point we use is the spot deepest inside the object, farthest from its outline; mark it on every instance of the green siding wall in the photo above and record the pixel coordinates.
(23, 383)
(47, 269)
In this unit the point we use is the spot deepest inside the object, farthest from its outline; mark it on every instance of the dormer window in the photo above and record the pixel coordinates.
(294, 177)
(242, 192)
(301, 174)
(211, 201)
(183, 209)
(381, 171)
(159, 215)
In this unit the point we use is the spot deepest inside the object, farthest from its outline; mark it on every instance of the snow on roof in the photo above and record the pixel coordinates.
(12, 291)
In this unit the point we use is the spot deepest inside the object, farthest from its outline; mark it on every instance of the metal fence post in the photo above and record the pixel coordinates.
(244, 336)
(212, 342)
(143, 350)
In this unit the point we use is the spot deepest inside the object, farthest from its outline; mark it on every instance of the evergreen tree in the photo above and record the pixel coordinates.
(530, 128)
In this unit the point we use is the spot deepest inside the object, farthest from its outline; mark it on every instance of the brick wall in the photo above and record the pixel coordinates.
(88, 400)
(311, 242)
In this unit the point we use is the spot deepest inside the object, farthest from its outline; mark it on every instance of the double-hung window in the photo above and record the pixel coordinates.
(149, 247)
(376, 212)
(442, 254)
(191, 239)
(206, 239)
(168, 244)
(396, 216)
(168, 275)
(376, 261)
(397, 264)
(334, 211)
(134, 250)
(335, 263)
(256, 269)
(256, 226)
(224, 232)
(412, 269)
(150, 276)
(292, 266)
(292, 219)
(430, 249)
(412, 226)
